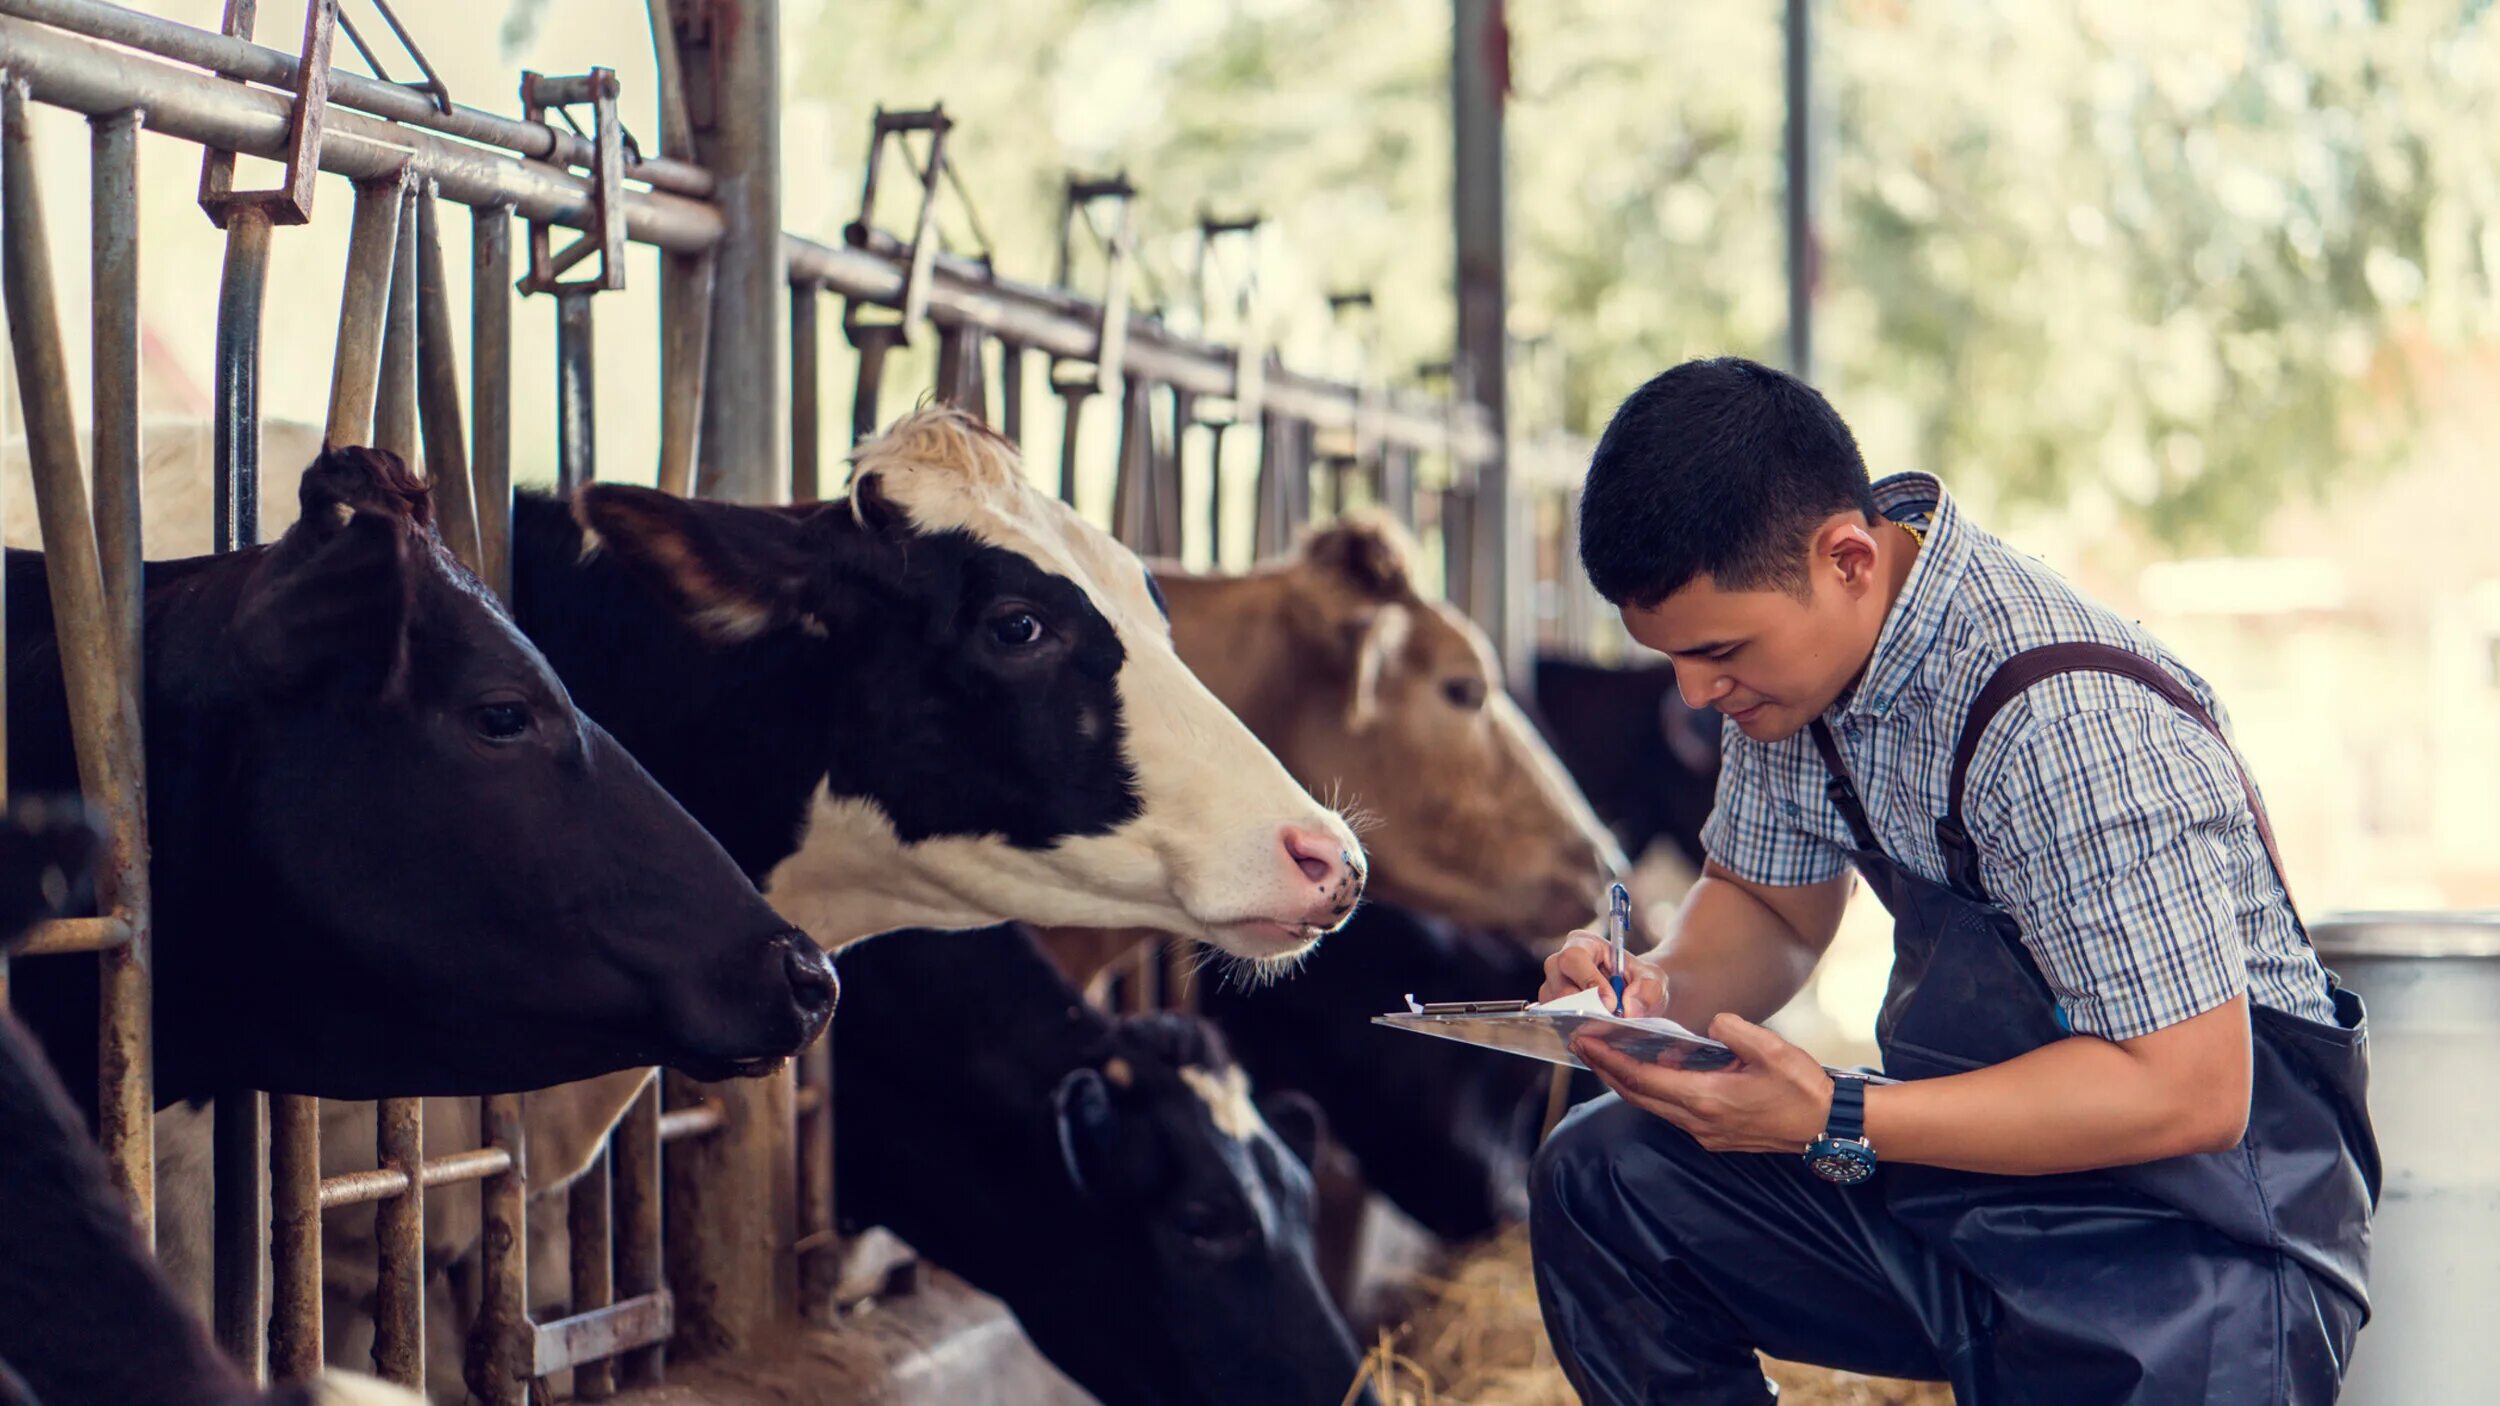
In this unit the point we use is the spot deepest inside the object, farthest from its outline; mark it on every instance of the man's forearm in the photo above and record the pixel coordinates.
(1728, 951)
(2076, 1105)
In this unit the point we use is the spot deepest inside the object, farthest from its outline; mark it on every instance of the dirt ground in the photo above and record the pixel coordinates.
(1477, 1341)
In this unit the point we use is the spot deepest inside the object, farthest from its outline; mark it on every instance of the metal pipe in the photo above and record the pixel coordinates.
(577, 452)
(238, 58)
(438, 392)
(84, 76)
(699, 1119)
(126, 1123)
(364, 310)
(806, 391)
(959, 379)
(295, 1236)
(395, 395)
(733, 70)
(594, 1267)
(241, 292)
(813, 1107)
(1011, 392)
(685, 365)
(1072, 396)
(1061, 325)
(872, 340)
(399, 1246)
(1797, 146)
(676, 128)
(241, 1209)
(635, 1148)
(382, 1183)
(490, 390)
(502, 1346)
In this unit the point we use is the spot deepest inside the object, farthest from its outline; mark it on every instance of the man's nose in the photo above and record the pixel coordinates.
(1700, 687)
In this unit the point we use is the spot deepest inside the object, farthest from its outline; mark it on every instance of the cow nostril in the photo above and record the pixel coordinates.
(1320, 857)
(812, 981)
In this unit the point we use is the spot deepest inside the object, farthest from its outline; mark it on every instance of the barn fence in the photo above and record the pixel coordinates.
(690, 1229)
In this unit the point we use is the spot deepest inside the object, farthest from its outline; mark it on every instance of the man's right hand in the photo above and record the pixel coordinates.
(1584, 961)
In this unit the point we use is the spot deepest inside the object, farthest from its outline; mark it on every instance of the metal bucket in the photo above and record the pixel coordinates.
(2431, 982)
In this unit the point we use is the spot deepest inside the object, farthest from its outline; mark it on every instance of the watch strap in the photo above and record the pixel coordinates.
(1848, 1116)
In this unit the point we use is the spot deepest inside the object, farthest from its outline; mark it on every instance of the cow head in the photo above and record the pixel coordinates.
(1010, 732)
(1390, 703)
(461, 883)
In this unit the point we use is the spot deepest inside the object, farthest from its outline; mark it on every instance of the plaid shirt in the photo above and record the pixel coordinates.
(2109, 824)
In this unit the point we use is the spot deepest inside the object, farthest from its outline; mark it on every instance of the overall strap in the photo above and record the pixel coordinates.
(1837, 787)
(1961, 857)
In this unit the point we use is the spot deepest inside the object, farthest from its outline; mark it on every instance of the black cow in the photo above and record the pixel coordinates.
(1107, 1178)
(1647, 761)
(85, 1316)
(390, 857)
(1444, 1130)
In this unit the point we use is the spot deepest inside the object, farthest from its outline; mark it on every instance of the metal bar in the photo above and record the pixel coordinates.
(1797, 146)
(241, 292)
(737, 56)
(84, 76)
(295, 1236)
(364, 310)
(813, 1107)
(700, 1120)
(1061, 325)
(1133, 492)
(64, 935)
(433, 81)
(577, 452)
(237, 58)
(241, 1210)
(676, 128)
(594, 1268)
(399, 1246)
(1479, 89)
(395, 394)
(806, 392)
(1072, 397)
(872, 340)
(959, 379)
(635, 1149)
(291, 202)
(382, 1183)
(501, 1345)
(490, 390)
(589, 1338)
(685, 364)
(1011, 392)
(438, 392)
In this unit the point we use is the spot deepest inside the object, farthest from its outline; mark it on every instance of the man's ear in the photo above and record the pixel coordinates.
(733, 572)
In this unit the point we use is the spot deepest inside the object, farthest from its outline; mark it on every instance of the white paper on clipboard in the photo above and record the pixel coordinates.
(1545, 1032)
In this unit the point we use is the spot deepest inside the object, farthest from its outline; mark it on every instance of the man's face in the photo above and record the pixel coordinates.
(1772, 659)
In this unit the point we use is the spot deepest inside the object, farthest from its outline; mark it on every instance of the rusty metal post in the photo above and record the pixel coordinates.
(635, 1150)
(240, 295)
(438, 392)
(577, 450)
(395, 394)
(815, 1133)
(295, 1236)
(490, 390)
(399, 1246)
(594, 1266)
(806, 390)
(126, 1125)
(364, 309)
(685, 361)
(502, 1346)
(729, 52)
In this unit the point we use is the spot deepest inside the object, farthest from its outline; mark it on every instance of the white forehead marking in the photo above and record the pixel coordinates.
(1226, 1093)
(947, 471)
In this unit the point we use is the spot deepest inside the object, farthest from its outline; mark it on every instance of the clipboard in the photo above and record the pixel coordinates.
(1546, 1032)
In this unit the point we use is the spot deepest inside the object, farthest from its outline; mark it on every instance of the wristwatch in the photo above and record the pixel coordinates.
(1842, 1155)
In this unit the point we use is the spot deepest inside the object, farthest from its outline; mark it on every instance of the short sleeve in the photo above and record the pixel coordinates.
(2122, 843)
(1750, 836)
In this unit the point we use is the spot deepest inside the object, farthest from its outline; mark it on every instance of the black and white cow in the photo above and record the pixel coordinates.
(1647, 760)
(85, 1316)
(1109, 1179)
(390, 856)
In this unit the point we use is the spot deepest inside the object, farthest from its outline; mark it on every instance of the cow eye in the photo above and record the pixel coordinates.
(1466, 695)
(500, 722)
(1016, 629)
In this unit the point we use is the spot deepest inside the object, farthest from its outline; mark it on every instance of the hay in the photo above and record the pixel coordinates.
(1476, 1340)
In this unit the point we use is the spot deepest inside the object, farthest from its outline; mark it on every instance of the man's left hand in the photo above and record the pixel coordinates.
(1776, 1098)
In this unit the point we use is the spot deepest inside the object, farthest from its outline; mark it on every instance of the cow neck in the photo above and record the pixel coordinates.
(1235, 633)
(735, 733)
(853, 879)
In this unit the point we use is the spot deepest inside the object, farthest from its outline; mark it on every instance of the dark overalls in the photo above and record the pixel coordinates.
(2234, 1276)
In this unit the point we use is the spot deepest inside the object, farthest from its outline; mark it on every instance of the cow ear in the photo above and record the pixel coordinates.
(330, 605)
(1296, 1120)
(1087, 1124)
(875, 509)
(1366, 555)
(732, 572)
(1374, 639)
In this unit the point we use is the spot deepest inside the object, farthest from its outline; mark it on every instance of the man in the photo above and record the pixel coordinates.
(2127, 1159)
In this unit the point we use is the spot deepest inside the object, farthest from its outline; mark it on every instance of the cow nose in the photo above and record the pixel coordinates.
(812, 983)
(1334, 872)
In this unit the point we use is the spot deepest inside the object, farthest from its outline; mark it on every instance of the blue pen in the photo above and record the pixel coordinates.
(1618, 918)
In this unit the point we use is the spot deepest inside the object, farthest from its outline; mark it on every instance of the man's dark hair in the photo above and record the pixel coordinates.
(1720, 468)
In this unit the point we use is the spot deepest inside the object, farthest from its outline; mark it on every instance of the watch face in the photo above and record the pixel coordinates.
(1841, 1162)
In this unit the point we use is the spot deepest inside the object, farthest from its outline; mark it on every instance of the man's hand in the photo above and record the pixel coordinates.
(1583, 962)
(1776, 1098)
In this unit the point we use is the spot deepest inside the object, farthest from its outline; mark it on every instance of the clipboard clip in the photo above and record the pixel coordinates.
(1415, 1007)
